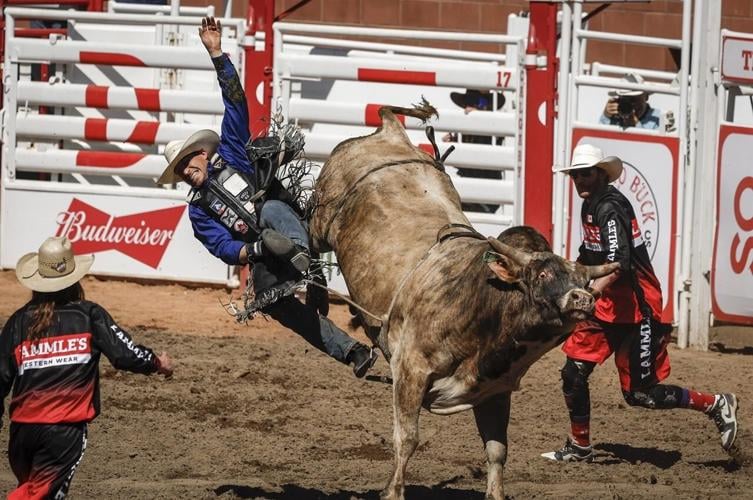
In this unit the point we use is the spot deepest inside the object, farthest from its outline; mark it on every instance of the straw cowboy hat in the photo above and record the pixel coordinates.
(586, 156)
(54, 267)
(631, 78)
(176, 151)
(476, 99)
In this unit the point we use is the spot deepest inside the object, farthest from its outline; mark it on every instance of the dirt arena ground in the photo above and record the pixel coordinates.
(254, 412)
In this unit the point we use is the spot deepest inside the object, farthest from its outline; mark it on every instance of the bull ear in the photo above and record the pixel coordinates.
(503, 267)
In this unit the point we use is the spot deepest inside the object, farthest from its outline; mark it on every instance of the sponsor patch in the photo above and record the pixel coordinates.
(240, 226)
(71, 349)
(229, 218)
(234, 184)
(217, 207)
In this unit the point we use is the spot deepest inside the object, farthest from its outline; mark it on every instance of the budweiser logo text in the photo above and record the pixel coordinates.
(143, 236)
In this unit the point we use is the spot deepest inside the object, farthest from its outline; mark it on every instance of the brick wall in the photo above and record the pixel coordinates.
(662, 18)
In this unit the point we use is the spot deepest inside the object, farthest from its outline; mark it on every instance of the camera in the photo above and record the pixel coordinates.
(624, 106)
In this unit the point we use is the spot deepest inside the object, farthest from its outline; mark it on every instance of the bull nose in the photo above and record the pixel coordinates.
(579, 299)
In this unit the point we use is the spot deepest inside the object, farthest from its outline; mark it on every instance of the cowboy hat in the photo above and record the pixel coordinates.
(476, 99)
(631, 78)
(176, 151)
(54, 267)
(587, 155)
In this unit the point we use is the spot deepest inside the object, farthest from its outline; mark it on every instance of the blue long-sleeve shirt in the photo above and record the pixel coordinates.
(233, 138)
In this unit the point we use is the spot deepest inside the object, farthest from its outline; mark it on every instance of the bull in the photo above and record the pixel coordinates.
(459, 317)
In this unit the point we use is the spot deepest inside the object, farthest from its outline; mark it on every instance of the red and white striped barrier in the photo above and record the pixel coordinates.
(314, 110)
(57, 161)
(110, 54)
(459, 74)
(97, 96)
(101, 129)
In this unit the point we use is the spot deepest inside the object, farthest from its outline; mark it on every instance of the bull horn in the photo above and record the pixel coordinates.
(594, 272)
(519, 257)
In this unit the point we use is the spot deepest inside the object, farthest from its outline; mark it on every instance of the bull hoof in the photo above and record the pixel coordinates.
(390, 494)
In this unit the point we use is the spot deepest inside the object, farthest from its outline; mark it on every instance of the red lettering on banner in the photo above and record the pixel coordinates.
(148, 99)
(397, 76)
(96, 96)
(144, 132)
(739, 265)
(95, 129)
(503, 78)
(142, 236)
(747, 55)
(109, 159)
(371, 116)
(109, 59)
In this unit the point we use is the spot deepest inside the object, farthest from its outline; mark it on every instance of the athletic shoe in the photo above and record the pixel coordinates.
(362, 358)
(284, 248)
(571, 452)
(724, 415)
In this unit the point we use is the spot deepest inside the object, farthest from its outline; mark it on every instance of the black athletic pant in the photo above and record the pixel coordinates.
(44, 458)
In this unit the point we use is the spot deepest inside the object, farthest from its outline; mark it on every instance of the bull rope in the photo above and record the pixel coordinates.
(344, 200)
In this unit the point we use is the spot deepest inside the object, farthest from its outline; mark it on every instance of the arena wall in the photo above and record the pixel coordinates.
(655, 18)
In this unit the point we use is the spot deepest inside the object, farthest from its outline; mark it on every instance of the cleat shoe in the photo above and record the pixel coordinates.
(362, 358)
(283, 247)
(571, 452)
(724, 415)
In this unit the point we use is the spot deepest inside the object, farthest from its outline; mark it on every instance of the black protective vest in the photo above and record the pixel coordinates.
(231, 198)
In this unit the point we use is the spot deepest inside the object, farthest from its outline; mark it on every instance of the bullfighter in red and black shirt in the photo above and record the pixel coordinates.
(49, 356)
(627, 316)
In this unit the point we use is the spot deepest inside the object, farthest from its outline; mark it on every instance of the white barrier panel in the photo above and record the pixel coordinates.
(737, 57)
(130, 235)
(481, 123)
(97, 96)
(732, 270)
(102, 129)
(465, 155)
(111, 54)
(483, 76)
(124, 100)
(649, 182)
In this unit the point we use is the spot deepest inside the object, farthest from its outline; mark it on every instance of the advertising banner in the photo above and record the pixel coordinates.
(737, 59)
(732, 269)
(128, 235)
(649, 182)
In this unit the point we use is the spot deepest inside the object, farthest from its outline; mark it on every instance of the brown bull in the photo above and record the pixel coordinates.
(459, 333)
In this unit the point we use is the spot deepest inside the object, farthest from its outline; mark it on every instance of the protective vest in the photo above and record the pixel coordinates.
(231, 198)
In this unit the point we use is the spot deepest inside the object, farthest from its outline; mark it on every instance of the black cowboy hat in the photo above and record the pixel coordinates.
(476, 99)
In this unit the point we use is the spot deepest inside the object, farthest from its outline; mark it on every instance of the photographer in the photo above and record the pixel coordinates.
(630, 108)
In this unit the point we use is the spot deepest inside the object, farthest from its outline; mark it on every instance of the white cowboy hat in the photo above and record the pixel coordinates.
(54, 267)
(631, 78)
(586, 156)
(176, 151)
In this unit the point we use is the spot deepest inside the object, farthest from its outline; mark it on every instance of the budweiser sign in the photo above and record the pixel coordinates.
(142, 236)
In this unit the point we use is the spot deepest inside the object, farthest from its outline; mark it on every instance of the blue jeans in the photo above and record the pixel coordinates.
(278, 215)
(290, 312)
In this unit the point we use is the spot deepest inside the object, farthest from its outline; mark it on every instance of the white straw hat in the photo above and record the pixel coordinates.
(631, 78)
(54, 267)
(587, 155)
(175, 151)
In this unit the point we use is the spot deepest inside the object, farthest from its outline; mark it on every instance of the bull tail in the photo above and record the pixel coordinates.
(423, 111)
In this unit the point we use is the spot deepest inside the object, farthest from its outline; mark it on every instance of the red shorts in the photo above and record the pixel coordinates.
(641, 356)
